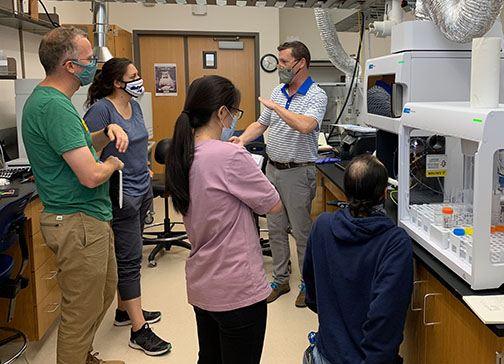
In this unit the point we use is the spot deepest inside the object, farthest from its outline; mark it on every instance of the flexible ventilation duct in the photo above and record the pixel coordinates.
(100, 29)
(337, 55)
(460, 20)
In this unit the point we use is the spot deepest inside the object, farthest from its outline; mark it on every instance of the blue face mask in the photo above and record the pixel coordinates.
(88, 73)
(227, 133)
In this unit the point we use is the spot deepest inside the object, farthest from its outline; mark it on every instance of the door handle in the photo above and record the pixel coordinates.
(53, 274)
(56, 306)
(425, 310)
(413, 308)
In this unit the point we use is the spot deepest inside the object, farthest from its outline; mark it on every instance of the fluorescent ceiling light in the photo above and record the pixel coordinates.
(280, 4)
(222, 2)
(182, 2)
(261, 3)
(241, 3)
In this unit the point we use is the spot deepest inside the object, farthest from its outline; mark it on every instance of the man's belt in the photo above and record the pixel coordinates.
(288, 165)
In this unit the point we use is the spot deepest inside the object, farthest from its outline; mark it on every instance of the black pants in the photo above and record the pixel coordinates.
(231, 337)
(128, 225)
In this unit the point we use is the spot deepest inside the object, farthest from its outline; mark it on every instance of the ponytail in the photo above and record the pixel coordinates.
(103, 83)
(178, 163)
(205, 96)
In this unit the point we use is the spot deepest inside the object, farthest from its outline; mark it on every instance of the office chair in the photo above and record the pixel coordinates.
(12, 229)
(167, 238)
(260, 149)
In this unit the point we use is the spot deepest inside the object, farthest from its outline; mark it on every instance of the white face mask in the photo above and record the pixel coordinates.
(134, 88)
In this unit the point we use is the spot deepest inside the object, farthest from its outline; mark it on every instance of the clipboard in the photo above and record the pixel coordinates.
(116, 189)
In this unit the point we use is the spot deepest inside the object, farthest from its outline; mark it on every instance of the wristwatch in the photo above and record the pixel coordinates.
(105, 131)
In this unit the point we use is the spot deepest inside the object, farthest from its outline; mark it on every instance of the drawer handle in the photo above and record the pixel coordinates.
(413, 308)
(425, 309)
(53, 274)
(56, 306)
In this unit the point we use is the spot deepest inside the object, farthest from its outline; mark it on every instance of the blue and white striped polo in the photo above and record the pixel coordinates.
(286, 144)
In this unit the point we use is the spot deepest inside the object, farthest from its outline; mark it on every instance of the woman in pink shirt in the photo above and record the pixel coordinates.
(217, 186)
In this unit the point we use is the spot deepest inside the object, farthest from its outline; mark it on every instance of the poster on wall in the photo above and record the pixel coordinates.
(165, 75)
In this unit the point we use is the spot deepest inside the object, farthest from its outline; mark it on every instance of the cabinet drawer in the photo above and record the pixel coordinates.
(45, 280)
(35, 209)
(48, 310)
(41, 252)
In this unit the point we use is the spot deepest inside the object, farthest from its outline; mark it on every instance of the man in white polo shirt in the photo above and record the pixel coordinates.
(293, 115)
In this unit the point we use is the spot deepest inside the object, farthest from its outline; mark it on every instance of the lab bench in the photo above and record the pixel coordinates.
(440, 328)
(37, 305)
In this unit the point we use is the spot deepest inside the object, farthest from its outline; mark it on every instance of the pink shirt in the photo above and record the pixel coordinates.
(225, 268)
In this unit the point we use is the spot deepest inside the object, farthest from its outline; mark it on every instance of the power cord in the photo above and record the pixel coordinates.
(54, 24)
(351, 81)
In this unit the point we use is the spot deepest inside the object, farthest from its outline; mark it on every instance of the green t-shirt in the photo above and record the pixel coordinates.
(51, 126)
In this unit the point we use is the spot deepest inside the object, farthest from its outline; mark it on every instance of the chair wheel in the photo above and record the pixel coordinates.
(152, 263)
(149, 219)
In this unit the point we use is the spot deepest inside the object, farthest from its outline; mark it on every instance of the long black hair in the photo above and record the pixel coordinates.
(364, 181)
(103, 84)
(205, 96)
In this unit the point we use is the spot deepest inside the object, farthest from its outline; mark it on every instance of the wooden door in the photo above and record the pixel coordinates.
(163, 49)
(237, 65)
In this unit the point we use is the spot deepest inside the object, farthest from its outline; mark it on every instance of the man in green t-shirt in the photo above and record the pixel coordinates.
(73, 186)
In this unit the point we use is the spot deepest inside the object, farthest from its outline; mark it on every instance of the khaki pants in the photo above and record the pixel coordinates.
(87, 276)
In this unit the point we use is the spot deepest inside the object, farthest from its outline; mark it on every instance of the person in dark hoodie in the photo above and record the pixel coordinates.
(358, 271)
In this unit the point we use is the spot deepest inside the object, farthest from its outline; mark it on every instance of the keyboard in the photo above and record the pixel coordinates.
(14, 172)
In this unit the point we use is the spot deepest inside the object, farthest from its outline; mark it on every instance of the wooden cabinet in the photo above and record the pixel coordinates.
(440, 329)
(119, 41)
(37, 306)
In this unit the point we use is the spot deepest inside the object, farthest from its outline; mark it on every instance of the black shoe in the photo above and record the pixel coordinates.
(122, 318)
(151, 344)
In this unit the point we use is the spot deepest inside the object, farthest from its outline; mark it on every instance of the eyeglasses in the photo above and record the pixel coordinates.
(236, 112)
(92, 60)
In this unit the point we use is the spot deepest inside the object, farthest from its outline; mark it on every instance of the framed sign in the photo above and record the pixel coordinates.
(209, 59)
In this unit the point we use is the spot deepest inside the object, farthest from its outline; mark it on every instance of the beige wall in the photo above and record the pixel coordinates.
(134, 16)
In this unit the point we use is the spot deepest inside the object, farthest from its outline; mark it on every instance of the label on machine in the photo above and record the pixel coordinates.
(436, 165)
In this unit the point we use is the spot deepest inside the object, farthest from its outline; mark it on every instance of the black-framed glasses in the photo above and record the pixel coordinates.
(236, 112)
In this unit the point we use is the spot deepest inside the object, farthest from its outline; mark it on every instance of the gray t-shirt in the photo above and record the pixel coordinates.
(136, 180)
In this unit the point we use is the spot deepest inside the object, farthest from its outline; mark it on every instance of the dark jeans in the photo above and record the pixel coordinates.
(128, 225)
(231, 337)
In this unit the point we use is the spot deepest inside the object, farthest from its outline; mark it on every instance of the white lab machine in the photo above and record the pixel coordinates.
(464, 229)
(24, 88)
(427, 68)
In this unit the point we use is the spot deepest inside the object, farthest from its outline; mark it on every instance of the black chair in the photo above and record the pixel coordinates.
(12, 229)
(259, 148)
(167, 238)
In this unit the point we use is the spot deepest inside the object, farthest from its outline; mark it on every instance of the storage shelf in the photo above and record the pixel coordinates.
(18, 21)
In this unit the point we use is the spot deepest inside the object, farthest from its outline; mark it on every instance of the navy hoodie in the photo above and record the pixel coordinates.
(358, 274)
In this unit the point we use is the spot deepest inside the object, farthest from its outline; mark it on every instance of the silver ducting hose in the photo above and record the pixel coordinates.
(460, 20)
(337, 55)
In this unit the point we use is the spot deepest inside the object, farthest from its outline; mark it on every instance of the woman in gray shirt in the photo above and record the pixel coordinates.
(110, 98)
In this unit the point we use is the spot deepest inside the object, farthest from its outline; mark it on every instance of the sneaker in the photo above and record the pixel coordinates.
(300, 300)
(93, 359)
(122, 318)
(151, 344)
(277, 289)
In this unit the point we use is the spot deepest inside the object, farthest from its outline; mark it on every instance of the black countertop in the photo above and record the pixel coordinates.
(23, 189)
(456, 285)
